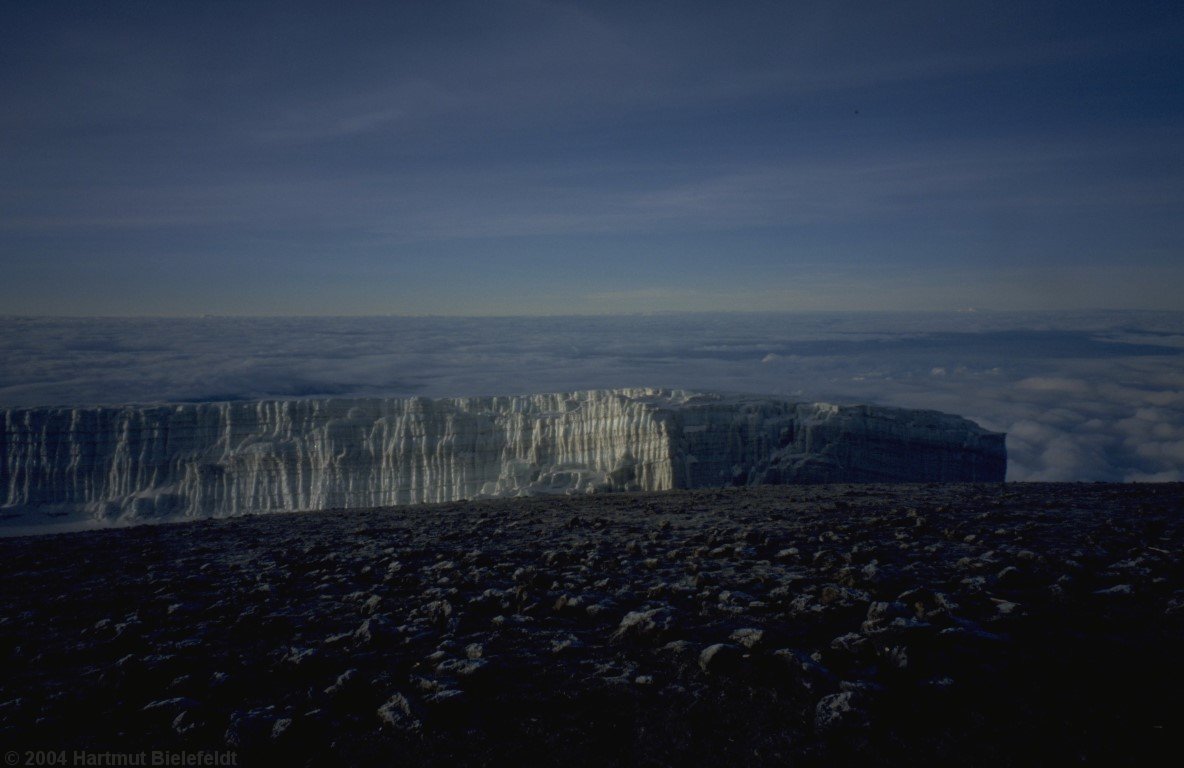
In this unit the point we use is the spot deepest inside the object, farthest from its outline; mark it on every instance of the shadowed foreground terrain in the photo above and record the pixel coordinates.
(985, 625)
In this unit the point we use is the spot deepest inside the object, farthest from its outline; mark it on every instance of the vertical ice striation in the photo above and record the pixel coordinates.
(224, 458)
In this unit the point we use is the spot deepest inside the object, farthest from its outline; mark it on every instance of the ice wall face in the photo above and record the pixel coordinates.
(750, 442)
(227, 458)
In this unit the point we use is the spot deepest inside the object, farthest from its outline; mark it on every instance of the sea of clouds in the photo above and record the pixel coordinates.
(1082, 396)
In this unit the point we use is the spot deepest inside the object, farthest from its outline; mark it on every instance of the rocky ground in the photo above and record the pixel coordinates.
(896, 625)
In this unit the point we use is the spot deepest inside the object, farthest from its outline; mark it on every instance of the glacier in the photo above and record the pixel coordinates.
(134, 463)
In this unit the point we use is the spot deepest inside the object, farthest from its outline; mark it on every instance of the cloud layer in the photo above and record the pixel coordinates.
(1082, 396)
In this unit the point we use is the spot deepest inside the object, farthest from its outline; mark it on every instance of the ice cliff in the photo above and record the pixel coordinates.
(205, 459)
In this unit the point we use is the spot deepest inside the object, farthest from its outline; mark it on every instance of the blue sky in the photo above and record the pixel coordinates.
(553, 158)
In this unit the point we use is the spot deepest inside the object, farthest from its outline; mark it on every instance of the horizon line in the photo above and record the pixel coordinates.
(639, 313)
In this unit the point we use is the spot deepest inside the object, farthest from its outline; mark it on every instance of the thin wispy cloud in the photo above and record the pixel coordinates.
(459, 155)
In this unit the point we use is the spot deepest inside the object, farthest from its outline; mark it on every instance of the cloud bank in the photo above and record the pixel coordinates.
(1082, 396)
